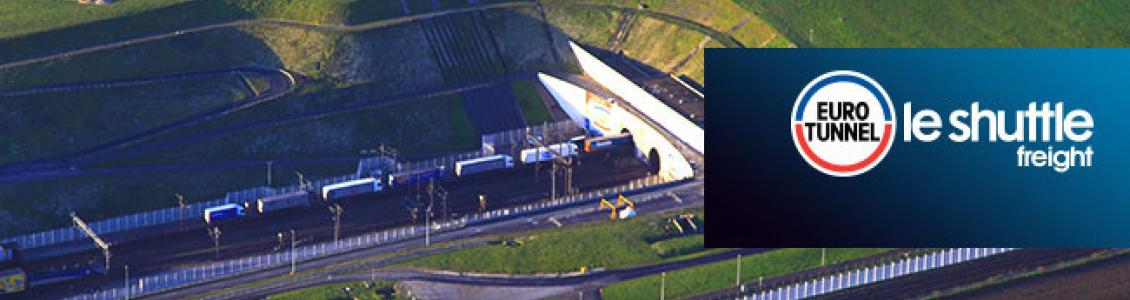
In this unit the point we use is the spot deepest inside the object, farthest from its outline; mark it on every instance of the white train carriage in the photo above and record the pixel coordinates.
(540, 154)
(341, 190)
(483, 164)
(284, 201)
(223, 213)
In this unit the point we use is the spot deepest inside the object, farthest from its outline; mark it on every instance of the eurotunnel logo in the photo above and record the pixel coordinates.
(842, 123)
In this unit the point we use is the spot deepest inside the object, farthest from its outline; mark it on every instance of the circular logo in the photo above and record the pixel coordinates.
(842, 123)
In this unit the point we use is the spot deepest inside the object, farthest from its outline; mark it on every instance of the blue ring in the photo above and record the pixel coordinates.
(844, 78)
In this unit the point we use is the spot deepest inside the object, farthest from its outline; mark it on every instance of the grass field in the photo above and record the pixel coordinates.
(415, 126)
(522, 39)
(596, 26)
(678, 43)
(529, 101)
(720, 15)
(755, 33)
(585, 25)
(334, 68)
(209, 50)
(925, 23)
(35, 28)
(678, 246)
(21, 17)
(48, 124)
(695, 67)
(696, 280)
(618, 244)
(379, 290)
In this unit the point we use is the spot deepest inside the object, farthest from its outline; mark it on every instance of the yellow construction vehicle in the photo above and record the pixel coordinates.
(628, 212)
(604, 203)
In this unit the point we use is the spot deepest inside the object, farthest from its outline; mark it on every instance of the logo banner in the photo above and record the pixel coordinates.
(919, 147)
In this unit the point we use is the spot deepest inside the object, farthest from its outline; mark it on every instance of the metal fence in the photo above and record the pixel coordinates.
(512, 142)
(557, 132)
(872, 274)
(447, 161)
(196, 210)
(151, 283)
(158, 217)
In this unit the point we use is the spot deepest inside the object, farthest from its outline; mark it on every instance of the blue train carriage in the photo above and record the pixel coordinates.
(338, 191)
(65, 273)
(418, 176)
(282, 202)
(226, 212)
(540, 154)
(483, 164)
(7, 253)
(12, 281)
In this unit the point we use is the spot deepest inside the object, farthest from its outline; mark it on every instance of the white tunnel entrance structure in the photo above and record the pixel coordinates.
(601, 116)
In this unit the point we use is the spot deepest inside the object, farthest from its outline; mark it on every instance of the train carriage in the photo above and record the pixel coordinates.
(610, 143)
(7, 252)
(223, 213)
(540, 154)
(483, 164)
(412, 177)
(350, 188)
(281, 202)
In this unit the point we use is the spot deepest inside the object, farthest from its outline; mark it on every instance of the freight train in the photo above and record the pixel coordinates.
(14, 279)
(402, 179)
(482, 165)
(336, 192)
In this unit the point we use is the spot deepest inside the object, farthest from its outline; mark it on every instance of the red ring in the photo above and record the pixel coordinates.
(844, 168)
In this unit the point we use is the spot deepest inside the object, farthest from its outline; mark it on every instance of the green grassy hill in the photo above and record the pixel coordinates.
(334, 67)
(926, 23)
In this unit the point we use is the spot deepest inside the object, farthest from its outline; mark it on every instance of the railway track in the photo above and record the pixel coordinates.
(313, 225)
